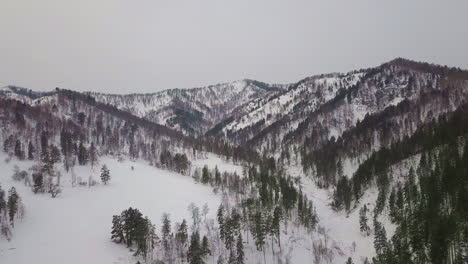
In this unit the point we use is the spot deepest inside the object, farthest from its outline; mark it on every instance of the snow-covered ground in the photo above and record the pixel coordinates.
(75, 226)
(212, 161)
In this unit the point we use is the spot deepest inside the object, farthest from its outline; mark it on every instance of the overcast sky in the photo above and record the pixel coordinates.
(124, 46)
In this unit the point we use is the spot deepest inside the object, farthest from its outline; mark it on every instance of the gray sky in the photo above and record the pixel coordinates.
(124, 46)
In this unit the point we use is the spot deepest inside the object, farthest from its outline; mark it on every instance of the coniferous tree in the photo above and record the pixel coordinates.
(364, 227)
(181, 238)
(55, 155)
(205, 247)
(13, 199)
(166, 236)
(105, 174)
(232, 257)
(221, 223)
(8, 144)
(83, 155)
(38, 182)
(259, 231)
(93, 155)
(240, 250)
(194, 255)
(3, 203)
(205, 175)
(117, 233)
(31, 151)
(217, 176)
(18, 150)
(275, 224)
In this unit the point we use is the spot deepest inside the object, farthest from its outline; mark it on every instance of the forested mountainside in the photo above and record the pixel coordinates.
(192, 111)
(399, 130)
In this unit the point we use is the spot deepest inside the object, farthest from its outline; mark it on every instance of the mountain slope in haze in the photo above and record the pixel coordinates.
(326, 106)
(192, 111)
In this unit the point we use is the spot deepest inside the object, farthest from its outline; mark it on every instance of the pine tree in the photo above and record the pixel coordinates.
(31, 151)
(82, 155)
(13, 199)
(259, 231)
(93, 156)
(166, 235)
(275, 224)
(47, 163)
(117, 233)
(205, 175)
(181, 238)
(18, 150)
(205, 247)
(55, 155)
(3, 203)
(194, 255)
(380, 238)
(217, 176)
(364, 227)
(8, 144)
(349, 261)
(105, 174)
(232, 257)
(240, 250)
(38, 182)
(220, 217)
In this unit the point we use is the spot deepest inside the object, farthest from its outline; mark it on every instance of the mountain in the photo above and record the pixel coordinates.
(192, 111)
(388, 143)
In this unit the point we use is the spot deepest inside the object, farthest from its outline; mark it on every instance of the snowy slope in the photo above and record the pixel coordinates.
(192, 111)
(75, 227)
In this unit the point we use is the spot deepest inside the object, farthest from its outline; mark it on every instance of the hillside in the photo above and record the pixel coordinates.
(369, 165)
(192, 111)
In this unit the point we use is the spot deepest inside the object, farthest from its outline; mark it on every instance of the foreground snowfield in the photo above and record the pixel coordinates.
(75, 226)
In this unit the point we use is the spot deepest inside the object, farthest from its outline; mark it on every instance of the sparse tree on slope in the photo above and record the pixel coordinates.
(105, 174)
(240, 250)
(364, 227)
(13, 199)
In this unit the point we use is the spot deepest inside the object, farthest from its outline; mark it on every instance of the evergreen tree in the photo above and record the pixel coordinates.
(205, 247)
(18, 150)
(259, 231)
(220, 217)
(166, 236)
(181, 238)
(275, 224)
(3, 203)
(83, 156)
(217, 176)
(117, 233)
(232, 257)
(8, 144)
(55, 155)
(13, 199)
(38, 182)
(195, 255)
(240, 250)
(105, 174)
(205, 175)
(31, 151)
(47, 163)
(93, 155)
(364, 227)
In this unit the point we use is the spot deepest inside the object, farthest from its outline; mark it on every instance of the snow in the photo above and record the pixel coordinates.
(341, 228)
(212, 160)
(75, 226)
